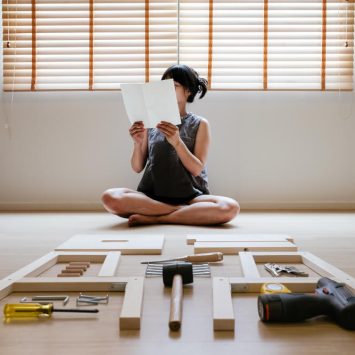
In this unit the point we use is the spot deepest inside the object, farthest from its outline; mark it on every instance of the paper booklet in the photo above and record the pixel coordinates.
(151, 102)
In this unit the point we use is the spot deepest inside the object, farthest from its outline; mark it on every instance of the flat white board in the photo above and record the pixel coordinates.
(192, 238)
(135, 244)
(232, 248)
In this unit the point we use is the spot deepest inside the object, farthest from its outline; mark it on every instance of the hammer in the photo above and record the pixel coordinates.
(177, 275)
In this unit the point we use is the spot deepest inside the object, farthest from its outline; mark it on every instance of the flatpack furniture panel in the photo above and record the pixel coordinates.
(235, 243)
(252, 281)
(192, 238)
(136, 244)
(27, 279)
(232, 248)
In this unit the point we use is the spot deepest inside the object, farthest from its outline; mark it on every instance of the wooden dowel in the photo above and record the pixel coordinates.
(76, 267)
(73, 271)
(85, 263)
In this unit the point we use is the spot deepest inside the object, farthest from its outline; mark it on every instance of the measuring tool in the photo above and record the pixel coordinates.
(20, 310)
(271, 288)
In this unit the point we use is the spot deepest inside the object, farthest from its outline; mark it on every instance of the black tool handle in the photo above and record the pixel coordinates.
(176, 303)
(293, 307)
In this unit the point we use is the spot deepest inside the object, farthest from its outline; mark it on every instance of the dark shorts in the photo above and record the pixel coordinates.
(173, 200)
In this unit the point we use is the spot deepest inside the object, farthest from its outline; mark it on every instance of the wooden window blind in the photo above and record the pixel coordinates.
(86, 44)
(236, 44)
(269, 44)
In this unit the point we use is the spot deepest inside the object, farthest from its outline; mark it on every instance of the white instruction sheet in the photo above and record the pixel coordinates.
(151, 102)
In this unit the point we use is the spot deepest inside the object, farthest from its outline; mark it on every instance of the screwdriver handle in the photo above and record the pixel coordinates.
(19, 310)
(205, 257)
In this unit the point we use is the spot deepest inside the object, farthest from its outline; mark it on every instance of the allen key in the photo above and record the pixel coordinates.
(26, 300)
(64, 298)
(87, 301)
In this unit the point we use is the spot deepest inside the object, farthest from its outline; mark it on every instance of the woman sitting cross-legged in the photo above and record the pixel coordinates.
(174, 185)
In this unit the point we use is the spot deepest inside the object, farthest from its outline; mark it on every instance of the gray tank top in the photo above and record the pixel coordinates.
(164, 175)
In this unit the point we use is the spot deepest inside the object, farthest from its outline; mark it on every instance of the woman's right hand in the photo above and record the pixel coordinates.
(137, 132)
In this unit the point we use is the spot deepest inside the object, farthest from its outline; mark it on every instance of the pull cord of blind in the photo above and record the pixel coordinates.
(8, 114)
(341, 105)
(178, 32)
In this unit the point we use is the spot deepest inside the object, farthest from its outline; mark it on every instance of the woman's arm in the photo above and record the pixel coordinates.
(140, 149)
(195, 162)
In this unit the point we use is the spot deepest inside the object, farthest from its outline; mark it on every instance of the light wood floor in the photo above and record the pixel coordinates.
(25, 237)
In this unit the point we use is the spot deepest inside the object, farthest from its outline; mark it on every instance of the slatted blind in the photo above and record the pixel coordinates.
(236, 44)
(86, 44)
(269, 44)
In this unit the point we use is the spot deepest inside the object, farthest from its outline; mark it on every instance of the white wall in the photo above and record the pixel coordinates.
(269, 149)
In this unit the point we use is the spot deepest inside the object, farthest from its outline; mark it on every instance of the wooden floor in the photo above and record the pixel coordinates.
(25, 237)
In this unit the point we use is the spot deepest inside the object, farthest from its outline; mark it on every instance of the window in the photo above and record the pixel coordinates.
(235, 44)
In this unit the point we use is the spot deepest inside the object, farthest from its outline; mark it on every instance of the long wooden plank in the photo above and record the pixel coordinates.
(232, 248)
(126, 244)
(277, 257)
(35, 268)
(6, 287)
(55, 284)
(110, 265)
(325, 269)
(92, 256)
(253, 285)
(223, 314)
(248, 265)
(130, 317)
(193, 238)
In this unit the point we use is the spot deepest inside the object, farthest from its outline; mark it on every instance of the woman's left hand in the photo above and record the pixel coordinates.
(170, 131)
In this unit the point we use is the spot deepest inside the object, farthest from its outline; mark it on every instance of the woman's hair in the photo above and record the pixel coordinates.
(188, 78)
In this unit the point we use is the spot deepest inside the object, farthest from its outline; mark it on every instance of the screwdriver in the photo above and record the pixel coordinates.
(197, 258)
(19, 310)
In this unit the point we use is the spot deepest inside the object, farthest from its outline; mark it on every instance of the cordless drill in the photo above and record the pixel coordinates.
(331, 298)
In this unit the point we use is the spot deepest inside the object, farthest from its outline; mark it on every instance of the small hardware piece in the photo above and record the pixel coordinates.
(276, 270)
(198, 270)
(92, 299)
(63, 298)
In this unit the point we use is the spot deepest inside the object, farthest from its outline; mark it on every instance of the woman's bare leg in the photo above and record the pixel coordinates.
(202, 210)
(125, 202)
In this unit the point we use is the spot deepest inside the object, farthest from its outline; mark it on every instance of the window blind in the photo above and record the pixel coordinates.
(236, 44)
(86, 44)
(269, 44)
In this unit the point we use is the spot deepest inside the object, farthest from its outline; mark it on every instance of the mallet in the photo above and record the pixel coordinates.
(177, 275)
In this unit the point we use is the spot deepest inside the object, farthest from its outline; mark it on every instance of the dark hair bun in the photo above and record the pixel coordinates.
(188, 78)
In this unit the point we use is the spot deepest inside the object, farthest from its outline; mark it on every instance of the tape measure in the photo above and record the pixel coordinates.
(271, 287)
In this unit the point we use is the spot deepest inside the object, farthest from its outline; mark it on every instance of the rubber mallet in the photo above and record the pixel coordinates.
(176, 275)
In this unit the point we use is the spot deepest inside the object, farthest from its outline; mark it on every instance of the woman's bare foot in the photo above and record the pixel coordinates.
(140, 220)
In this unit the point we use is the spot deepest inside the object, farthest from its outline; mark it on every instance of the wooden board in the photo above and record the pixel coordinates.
(130, 317)
(232, 248)
(223, 315)
(253, 281)
(27, 280)
(192, 238)
(136, 244)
